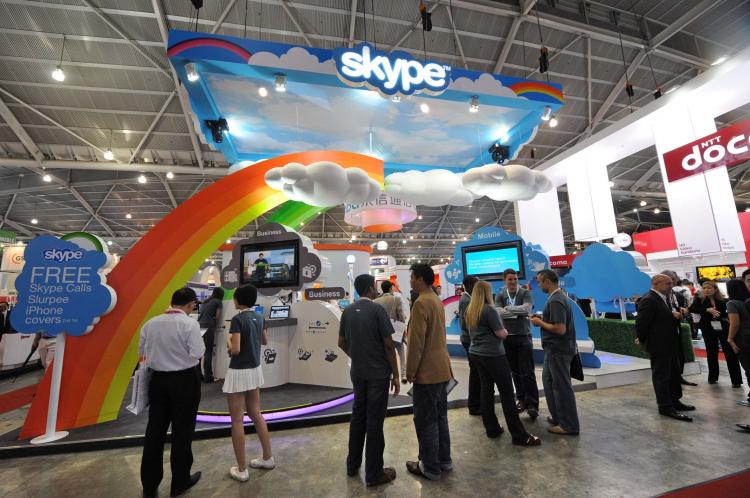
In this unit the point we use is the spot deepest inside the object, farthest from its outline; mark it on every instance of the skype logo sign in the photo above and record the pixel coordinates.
(387, 74)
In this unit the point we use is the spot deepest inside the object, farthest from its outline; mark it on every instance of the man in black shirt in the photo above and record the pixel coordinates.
(365, 336)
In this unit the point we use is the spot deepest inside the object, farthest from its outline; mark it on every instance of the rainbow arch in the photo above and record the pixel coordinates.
(163, 260)
(537, 87)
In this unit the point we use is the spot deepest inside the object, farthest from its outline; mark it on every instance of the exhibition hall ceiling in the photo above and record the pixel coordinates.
(119, 94)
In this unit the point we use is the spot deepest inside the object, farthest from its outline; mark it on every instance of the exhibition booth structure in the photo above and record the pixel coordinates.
(307, 129)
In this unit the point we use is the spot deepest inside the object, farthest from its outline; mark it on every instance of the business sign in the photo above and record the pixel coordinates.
(727, 147)
(12, 258)
(62, 288)
(565, 261)
(389, 74)
(325, 294)
(7, 237)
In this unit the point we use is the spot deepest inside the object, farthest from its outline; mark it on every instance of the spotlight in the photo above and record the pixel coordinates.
(34, 221)
(58, 74)
(396, 98)
(465, 238)
(108, 155)
(543, 60)
(500, 153)
(424, 108)
(553, 122)
(720, 60)
(142, 179)
(474, 106)
(403, 241)
(476, 220)
(635, 210)
(170, 175)
(217, 126)
(453, 242)
(547, 113)
(411, 237)
(262, 91)
(643, 203)
(109, 242)
(47, 178)
(192, 73)
(280, 82)
(657, 211)
(129, 216)
(419, 217)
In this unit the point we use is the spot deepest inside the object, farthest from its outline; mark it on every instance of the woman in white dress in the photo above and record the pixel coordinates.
(244, 379)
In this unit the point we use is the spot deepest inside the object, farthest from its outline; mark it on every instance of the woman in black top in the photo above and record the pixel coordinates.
(488, 355)
(712, 308)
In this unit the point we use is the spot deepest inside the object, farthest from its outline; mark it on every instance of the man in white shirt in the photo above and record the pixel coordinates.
(172, 347)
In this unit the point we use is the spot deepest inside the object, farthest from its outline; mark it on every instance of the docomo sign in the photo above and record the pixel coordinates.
(389, 75)
(727, 147)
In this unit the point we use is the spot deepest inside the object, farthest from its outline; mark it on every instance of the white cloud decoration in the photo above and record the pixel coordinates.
(436, 187)
(486, 84)
(296, 58)
(506, 183)
(323, 184)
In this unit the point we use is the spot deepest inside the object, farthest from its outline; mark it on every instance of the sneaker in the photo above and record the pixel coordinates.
(235, 474)
(259, 463)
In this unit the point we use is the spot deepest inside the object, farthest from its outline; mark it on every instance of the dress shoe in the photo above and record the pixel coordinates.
(389, 474)
(676, 415)
(682, 407)
(496, 434)
(686, 382)
(192, 481)
(531, 440)
(521, 406)
(712, 382)
(413, 468)
(533, 412)
(352, 472)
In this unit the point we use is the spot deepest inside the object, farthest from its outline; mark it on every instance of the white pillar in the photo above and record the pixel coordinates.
(538, 222)
(702, 208)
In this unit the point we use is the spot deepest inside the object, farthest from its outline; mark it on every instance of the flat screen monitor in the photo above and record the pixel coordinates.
(271, 264)
(279, 313)
(488, 262)
(720, 272)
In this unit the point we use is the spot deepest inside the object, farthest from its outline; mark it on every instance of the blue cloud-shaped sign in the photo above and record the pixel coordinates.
(603, 274)
(61, 289)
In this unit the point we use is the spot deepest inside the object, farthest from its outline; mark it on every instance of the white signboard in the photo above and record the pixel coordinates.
(13, 258)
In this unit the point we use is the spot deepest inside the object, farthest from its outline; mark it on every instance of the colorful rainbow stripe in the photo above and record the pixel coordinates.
(98, 366)
(180, 47)
(525, 87)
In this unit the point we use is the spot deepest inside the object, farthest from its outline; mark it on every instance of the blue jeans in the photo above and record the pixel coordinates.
(431, 424)
(558, 389)
(368, 415)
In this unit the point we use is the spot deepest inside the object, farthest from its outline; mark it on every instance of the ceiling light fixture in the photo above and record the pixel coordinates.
(108, 155)
(142, 179)
(354, 237)
(411, 237)
(657, 211)
(58, 74)
(129, 216)
(419, 217)
(229, 241)
(34, 221)
(635, 210)
(170, 175)
(280, 83)
(553, 122)
(424, 108)
(109, 242)
(453, 242)
(263, 91)
(192, 73)
(474, 106)
(643, 203)
(403, 241)
(476, 220)
(547, 113)
(47, 178)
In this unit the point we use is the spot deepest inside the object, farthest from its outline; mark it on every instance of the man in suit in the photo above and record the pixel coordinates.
(680, 301)
(658, 328)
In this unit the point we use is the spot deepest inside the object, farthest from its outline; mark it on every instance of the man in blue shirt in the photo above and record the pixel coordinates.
(365, 336)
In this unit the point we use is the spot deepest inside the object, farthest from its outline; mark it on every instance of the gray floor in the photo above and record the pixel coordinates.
(624, 449)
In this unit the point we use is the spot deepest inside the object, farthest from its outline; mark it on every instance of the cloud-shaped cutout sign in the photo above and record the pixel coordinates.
(323, 184)
(296, 58)
(436, 187)
(486, 84)
(506, 183)
(61, 289)
(603, 274)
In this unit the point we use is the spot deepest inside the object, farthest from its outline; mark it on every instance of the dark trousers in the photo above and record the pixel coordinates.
(712, 338)
(558, 390)
(431, 424)
(665, 375)
(743, 342)
(173, 399)
(495, 371)
(520, 352)
(475, 389)
(681, 351)
(368, 414)
(208, 356)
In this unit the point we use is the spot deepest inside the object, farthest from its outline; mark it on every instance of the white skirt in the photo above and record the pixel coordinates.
(238, 381)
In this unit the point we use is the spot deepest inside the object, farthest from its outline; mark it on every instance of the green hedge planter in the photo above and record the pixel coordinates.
(616, 336)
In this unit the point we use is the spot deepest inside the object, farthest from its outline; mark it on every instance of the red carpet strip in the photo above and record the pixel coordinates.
(734, 485)
(16, 399)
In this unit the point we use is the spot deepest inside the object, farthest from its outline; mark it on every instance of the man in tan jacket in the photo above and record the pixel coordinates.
(428, 367)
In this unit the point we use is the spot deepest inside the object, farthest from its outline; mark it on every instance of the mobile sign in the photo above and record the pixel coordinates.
(61, 289)
(727, 147)
(390, 74)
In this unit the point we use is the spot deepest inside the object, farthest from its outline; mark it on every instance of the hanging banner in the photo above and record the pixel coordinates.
(727, 147)
(12, 258)
(7, 237)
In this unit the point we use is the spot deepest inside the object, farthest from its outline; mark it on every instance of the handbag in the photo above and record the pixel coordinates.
(141, 382)
(576, 367)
